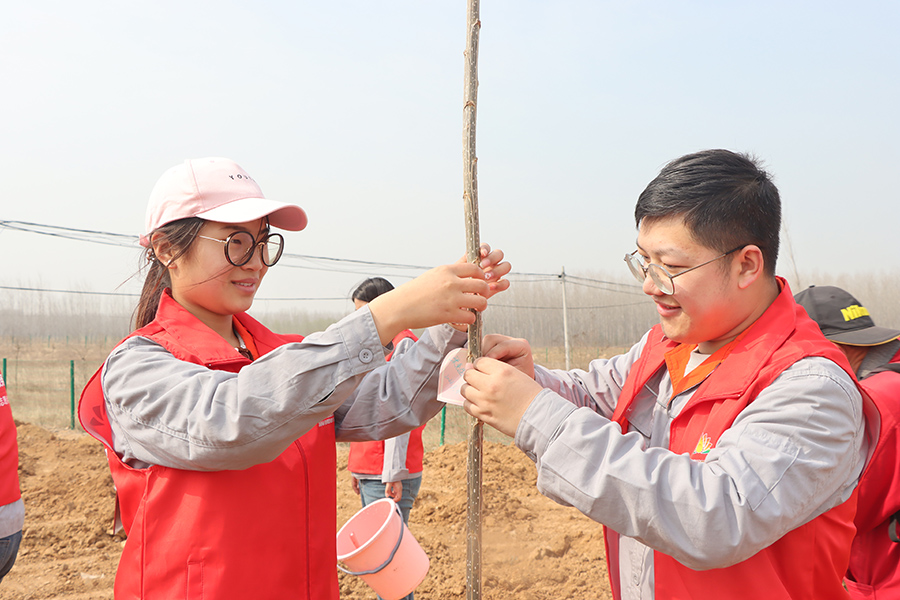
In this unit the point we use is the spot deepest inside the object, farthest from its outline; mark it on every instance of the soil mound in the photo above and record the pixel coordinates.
(531, 547)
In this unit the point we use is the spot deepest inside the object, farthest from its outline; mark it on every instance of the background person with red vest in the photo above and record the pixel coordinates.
(12, 509)
(722, 451)
(390, 468)
(220, 434)
(874, 354)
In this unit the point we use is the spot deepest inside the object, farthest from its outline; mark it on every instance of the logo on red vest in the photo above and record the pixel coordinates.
(704, 445)
(327, 421)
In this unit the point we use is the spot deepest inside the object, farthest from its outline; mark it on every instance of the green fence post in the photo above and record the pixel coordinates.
(72, 393)
(4, 371)
(443, 416)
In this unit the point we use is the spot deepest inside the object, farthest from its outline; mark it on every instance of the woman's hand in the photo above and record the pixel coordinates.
(446, 294)
(393, 490)
(494, 269)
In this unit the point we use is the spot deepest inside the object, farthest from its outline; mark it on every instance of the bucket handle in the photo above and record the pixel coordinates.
(390, 558)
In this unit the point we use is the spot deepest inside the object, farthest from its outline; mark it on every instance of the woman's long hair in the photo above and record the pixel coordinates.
(177, 236)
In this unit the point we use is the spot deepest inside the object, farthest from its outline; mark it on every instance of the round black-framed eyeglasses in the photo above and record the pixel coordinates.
(240, 245)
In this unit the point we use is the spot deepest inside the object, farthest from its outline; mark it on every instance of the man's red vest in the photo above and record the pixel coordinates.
(807, 563)
(874, 570)
(367, 458)
(9, 452)
(263, 532)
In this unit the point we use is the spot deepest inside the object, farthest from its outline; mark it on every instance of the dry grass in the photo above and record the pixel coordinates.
(44, 378)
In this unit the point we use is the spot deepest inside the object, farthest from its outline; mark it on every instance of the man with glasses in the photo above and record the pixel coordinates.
(722, 451)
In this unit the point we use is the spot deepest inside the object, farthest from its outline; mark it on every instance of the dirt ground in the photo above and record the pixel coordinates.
(532, 548)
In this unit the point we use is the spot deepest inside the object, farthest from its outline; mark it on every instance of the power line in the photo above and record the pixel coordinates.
(570, 307)
(132, 241)
(603, 285)
(51, 291)
(81, 235)
(129, 295)
(355, 261)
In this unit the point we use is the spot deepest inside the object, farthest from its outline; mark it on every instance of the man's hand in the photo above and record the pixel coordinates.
(498, 394)
(515, 352)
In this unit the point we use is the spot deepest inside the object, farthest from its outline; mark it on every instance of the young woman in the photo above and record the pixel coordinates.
(387, 468)
(220, 433)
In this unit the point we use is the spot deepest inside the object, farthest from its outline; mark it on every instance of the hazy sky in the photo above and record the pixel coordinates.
(353, 109)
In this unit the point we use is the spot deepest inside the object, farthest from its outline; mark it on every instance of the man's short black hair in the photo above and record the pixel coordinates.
(726, 199)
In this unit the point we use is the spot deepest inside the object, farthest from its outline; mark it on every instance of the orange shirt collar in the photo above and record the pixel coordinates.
(677, 361)
(248, 339)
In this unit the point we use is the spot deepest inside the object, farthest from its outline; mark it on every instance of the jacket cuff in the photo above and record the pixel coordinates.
(541, 422)
(445, 336)
(360, 338)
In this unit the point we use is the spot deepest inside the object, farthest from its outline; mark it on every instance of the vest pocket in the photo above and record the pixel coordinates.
(860, 591)
(194, 589)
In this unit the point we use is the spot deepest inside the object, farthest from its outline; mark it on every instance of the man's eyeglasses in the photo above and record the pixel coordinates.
(661, 278)
(240, 245)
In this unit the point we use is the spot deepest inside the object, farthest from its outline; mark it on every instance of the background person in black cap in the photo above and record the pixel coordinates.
(848, 324)
(874, 353)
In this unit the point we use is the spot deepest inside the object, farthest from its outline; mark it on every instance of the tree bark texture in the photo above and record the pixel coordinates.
(473, 243)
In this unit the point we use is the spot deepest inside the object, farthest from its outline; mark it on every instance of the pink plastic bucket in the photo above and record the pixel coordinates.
(376, 545)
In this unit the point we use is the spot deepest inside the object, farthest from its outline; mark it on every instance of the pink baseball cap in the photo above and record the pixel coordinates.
(215, 189)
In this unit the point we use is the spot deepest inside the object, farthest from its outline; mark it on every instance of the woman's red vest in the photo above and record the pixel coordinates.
(367, 458)
(807, 563)
(9, 452)
(263, 532)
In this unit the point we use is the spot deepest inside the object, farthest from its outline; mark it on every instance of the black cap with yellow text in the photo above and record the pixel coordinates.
(841, 317)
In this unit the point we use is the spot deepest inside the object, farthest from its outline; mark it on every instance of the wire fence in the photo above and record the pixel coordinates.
(50, 349)
(44, 375)
(51, 344)
(48, 386)
(46, 392)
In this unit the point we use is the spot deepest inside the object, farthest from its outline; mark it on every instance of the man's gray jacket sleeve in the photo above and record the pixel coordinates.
(795, 452)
